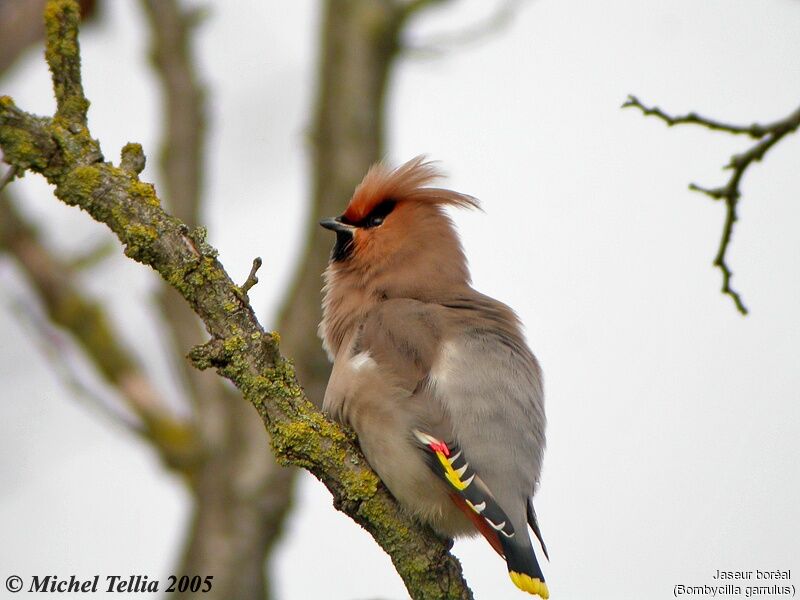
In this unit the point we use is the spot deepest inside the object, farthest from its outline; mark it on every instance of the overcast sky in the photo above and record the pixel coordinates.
(673, 421)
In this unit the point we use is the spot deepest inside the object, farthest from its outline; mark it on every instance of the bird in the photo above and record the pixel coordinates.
(435, 378)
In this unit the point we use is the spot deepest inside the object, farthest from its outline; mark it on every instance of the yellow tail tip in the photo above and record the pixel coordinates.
(526, 583)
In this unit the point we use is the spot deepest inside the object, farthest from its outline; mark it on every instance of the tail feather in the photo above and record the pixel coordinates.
(471, 495)
(524, 569)
(534, 523)
(481, 525)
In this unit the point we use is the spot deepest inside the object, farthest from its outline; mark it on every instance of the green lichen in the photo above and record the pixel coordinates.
(234, 344)
(79, 185)
(75, 146)
(312, 441)
(72, 111)
(177, 277)
(21, 146)
(276, 385)
(141, 191)
(361, 484)
(132, 158)
(204, 272)
(295, 442)
(198, 236)
(139, 241)
(61, 16)
(210, 270)
(62, 53)
(191, 277)
(384, 516)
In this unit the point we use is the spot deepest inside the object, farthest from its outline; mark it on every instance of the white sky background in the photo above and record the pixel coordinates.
(673, 421)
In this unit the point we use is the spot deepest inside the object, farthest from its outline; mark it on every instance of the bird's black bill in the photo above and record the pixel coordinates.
(335, 225)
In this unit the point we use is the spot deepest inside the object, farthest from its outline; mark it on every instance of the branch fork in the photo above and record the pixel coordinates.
(767, 135)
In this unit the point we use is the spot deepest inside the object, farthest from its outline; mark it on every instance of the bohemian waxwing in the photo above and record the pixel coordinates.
(435, 378)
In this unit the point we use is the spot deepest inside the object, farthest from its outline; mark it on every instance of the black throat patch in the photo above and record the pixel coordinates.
(343, 247)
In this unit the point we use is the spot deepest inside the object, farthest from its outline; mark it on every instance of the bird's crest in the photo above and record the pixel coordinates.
(408, 182)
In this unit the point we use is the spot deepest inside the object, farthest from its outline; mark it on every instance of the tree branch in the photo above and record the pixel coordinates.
(767, 136)
(239, 347)
(63, 57)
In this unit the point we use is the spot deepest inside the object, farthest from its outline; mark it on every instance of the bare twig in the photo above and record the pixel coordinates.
(132, 158)
(755, 130)
(251, 278)
(767, 136)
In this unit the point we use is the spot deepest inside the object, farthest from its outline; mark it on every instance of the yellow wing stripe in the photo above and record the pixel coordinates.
(528, 584)
(451, 474)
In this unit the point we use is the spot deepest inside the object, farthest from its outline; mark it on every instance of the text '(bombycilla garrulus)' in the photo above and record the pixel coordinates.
(435, 378)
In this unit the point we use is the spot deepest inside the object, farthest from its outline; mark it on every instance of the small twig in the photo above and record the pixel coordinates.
(8, 177)
(132, 158)
(730, 193)
(251, 278)
(755, 130)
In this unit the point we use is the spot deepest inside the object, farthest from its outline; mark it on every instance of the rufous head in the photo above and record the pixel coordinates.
(395, 226)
